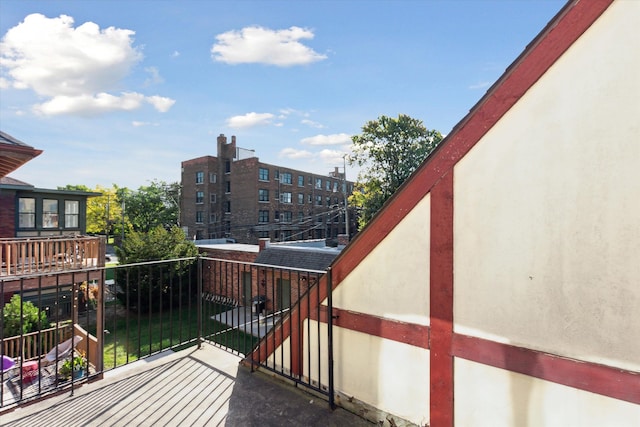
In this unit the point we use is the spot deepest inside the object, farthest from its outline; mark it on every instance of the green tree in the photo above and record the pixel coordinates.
(33, 319)
(151, 206)
(150, 287)
(388, 150)
(103, 212)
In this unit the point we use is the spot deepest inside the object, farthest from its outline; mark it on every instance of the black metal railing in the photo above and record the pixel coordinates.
(274, 316)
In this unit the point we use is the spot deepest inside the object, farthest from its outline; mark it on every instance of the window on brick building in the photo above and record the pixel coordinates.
(213, 218)
(263, 195)
(335, 186)
(287, 217)
(227, 206)
(49, 213)
(300, 180)
(319, 200)
(199, 177)
(227, 166)
(263, 217)
(300, 198)
(71, 213)
(199, 217)
(27, 212)
(300, 216)
(285, 197)
(213, 178)
(199, 196)
(213, 197)
(263, 174)
(319, 183)
(327, 185)
(285, 178)
(227, 186)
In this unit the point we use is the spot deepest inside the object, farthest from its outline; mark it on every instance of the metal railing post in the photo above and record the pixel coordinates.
(332, 404)
(199, 300)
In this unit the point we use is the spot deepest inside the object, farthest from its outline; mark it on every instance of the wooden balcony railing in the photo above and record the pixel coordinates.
(35, 344)
(23, 256)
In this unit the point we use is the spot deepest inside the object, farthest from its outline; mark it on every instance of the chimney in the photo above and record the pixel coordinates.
(343, 240)
(263, 243)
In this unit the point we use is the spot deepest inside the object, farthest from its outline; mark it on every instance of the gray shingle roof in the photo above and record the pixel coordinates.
(304, 258)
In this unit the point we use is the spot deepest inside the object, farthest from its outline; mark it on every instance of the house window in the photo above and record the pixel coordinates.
(285, 178)
(287, 216)
(300, 216)
(213, 178)
(263, 174)
(227, 207)
(277, 174)
(26, 212)
(300, 198)
(285, 197)
(300, 180)
(263, 234)
(327, 185)
(319, 200)
(263, 195)
(263, 217)
(212, 197)
(227, 166)
(213, 218)
(227, 186)
(49, 213)
(310, 198)
(71, 213)
(199, 196)
(319, 183)
(199, 177)
(335, 186)
(328, 200)
(199, 216)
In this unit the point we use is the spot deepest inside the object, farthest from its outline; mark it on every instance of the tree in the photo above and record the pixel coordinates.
(143, 285)
(388, 151)
(33, 319)
(151, 206)
(104, 211)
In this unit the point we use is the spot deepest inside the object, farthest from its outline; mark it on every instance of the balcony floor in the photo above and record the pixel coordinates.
(192, 387)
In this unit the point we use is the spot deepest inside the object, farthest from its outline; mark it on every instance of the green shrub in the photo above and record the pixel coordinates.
(33, 319)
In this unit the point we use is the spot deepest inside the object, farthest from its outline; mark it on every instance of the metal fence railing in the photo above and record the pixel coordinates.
(266, 313)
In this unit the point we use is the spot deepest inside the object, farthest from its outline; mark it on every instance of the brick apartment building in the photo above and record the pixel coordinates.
(236, 196)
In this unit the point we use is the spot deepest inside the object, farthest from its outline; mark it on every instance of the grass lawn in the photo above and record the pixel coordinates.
(132, 337)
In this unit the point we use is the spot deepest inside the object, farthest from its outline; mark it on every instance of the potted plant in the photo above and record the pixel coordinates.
(76, 366)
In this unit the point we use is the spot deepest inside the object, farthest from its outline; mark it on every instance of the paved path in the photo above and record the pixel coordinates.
(193, 387)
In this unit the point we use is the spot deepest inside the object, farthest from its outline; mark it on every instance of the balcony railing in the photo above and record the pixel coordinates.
(147, 308)
(25, 256)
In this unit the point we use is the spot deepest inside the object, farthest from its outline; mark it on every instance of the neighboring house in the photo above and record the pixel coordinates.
(39, 212)
(14, 153)
(499, 285)
(42, 231)
(280, 272)
(234, 195)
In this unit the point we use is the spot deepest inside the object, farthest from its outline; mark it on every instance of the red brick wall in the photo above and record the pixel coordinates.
(7, 214)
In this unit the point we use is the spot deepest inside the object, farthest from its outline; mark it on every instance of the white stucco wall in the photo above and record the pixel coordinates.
(393, 281)
(369, 369)
(547, 208)
(495, 397)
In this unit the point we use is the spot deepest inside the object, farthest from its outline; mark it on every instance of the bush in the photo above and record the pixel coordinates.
(33, 319)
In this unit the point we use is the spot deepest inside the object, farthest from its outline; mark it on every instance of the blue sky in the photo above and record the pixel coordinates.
(120, 92)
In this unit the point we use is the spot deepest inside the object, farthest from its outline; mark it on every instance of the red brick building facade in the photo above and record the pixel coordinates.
(236, 196)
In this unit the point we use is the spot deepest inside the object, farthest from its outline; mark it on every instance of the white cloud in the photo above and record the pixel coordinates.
(90, 105)
(137, 124)
(249, 120)
(175, 54)
(154, 76)
(292, 153)
(74, 67)
(160, 103)
(334, 157)
(4, 83)
(311, 123)
(334, 139)
(262, 45)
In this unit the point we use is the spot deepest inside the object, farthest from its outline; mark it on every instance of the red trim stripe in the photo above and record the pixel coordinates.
(591, 377)
(395, 330)
(441, 303)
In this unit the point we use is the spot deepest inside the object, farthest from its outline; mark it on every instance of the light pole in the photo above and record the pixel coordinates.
(344, 188)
